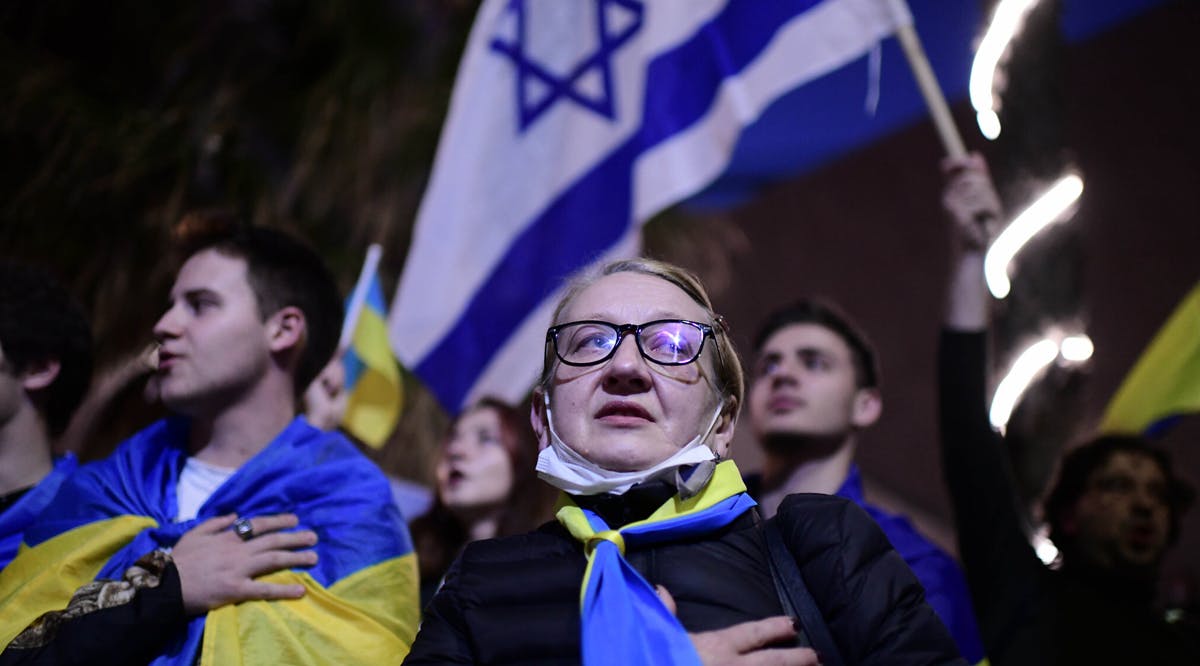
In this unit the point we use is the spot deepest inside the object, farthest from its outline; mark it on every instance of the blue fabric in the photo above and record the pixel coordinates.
(594, 212)
(623, 620)
(336, 492)
(21, 515)
(945, 586)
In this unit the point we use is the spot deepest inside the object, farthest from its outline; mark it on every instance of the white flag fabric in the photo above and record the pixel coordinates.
(572, 122)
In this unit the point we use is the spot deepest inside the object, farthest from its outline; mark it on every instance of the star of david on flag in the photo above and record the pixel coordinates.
(585, 77)
(573, 122)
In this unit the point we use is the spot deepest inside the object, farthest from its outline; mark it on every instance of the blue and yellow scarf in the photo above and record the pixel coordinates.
(361, 604)
(623, 620)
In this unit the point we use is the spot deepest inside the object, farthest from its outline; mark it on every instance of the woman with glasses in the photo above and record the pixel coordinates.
(657, 555)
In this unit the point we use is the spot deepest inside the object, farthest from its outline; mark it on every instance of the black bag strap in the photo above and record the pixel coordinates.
(797, 602)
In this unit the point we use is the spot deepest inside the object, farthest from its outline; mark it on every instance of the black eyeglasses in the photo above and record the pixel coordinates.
(665, 341)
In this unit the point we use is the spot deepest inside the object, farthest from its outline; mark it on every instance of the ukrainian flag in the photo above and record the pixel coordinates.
(1165, 381)
(372, 374)
(361, 604)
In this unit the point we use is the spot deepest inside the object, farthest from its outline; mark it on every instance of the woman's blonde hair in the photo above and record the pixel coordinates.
(731, 382)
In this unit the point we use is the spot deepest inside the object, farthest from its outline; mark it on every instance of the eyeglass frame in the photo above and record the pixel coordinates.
(706, 331)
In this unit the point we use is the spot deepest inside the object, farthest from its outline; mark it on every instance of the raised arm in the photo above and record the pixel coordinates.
(1002, 570)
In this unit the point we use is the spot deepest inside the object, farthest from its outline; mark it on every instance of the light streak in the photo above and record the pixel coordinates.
(1047, 209)
(1075, 348)
(1028, 367)
(1006, 22)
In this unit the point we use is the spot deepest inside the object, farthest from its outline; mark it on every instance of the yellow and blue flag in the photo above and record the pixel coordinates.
(361, 601)
(18, 517)
(1165, 382)
(375, 393)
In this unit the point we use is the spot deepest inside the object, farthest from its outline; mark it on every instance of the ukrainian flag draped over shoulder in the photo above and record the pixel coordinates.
(1165, 381)
(18, 517)
(624, 622)
(361, 604)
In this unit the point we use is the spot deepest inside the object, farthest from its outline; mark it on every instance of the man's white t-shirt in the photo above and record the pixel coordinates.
(197, 482)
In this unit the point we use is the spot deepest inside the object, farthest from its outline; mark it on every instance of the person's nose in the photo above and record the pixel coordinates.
(456, 448)
(626, 372)
(1144, 501)
(168, 325)
(786, 374)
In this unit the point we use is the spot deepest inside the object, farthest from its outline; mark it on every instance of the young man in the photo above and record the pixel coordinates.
(45, 367)
(1113, 512)
(814, 386)
(188, 527)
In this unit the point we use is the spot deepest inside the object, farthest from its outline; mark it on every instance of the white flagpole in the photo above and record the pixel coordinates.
(926, 81)
(359, 295)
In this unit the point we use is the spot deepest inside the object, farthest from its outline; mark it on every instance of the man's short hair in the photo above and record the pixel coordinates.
(1077, 467)
(40, 321)
(282, 272)
(827, 315)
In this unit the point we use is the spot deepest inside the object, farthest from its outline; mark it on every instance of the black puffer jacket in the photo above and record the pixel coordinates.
(516, 600)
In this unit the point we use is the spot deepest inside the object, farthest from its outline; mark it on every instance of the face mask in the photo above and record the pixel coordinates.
(563, 467)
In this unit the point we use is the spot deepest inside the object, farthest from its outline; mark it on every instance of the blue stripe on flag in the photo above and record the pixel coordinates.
(354, 368)
(592, 215)
(374, 298)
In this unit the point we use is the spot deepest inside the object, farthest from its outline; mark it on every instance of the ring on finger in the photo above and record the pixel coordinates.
(244, 529)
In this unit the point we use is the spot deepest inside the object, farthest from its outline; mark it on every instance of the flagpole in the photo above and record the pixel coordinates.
(359, 295)
(926, 81)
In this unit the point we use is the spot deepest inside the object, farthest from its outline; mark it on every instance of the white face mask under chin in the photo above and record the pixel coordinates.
(563, 467)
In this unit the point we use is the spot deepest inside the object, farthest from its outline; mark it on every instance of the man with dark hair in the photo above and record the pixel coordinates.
(45, 368)
(1140, 512)
(233, 530)
(1113, 512)
(815, 384)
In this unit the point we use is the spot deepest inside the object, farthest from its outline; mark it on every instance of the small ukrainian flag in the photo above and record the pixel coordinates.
(1165, 381)
(372, 373)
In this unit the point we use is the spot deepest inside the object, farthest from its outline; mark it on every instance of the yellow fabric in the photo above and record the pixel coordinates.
(366, 618)
(43, 578)
(613, 536)
(725, 483)
(1166, 378)
(373, 406)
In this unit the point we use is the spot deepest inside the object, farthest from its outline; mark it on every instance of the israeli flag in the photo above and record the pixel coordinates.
(573, 122)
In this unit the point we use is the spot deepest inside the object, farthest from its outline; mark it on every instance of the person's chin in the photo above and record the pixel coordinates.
(796, 439)
(630, 458)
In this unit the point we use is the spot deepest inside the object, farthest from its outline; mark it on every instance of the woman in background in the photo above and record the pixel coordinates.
(486, 487)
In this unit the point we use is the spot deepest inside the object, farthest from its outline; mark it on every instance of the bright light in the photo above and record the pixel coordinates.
(989, 124)
(1046, 551)
(1028, 366)
(1006, 21)
(1076, 348)
(1047, 209)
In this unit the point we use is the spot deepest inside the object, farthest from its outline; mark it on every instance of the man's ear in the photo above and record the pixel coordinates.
(868, 407)
(722, 435)
(286, 329)
(537, 418)
(40, 374)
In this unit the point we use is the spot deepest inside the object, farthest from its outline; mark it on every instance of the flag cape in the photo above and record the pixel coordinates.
(1165, 381)
(571, 123)
(372, 375)
(21, 515)
(361, 600)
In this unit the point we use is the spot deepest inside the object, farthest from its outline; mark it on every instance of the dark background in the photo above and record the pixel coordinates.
(323, 118)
